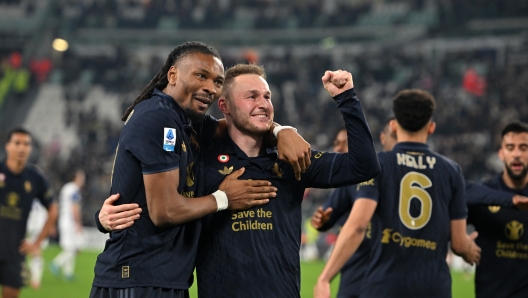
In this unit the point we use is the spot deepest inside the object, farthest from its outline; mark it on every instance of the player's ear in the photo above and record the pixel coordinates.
(393, 124)
(431, 128)
(172, 75)
(222, 105)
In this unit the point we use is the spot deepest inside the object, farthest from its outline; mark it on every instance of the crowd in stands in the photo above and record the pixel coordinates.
(476, 96)
(269, 14)
(478, 90)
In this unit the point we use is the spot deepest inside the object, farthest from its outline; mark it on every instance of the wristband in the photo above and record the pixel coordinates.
(279, 128)
(221, 200)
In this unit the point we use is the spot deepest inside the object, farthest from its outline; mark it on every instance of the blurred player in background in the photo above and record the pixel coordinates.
(502, 270)
(36, 221)
(20, 183)
(70, 225)
(336, 211)
(421, 207)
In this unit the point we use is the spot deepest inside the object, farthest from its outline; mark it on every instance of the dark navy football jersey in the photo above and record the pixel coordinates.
(255, 252)
(419, 192)
(156, 138)
(341, 201)
(17, 192)
(504, 257)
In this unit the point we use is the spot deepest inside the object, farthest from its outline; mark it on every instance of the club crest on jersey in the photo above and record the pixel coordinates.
(27, 186)
(12, 199)
(184, 148)
(223, 158)
(226, 170)
(514, 230)
(494, 209)
(2, 180)
(169, 138)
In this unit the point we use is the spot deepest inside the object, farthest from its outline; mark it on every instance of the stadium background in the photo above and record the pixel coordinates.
(69, 68)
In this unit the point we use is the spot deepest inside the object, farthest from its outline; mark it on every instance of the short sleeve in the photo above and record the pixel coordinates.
(155, 139)
(76, 197)
(44, 193)
(458, 205)
(368, 190)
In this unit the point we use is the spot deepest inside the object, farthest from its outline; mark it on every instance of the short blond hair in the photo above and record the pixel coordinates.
(238, 70)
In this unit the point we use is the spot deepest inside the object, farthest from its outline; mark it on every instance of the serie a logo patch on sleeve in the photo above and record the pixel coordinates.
(169, 138)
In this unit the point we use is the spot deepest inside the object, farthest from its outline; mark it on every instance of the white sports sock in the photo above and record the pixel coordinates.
(66, 260)
(36, 265)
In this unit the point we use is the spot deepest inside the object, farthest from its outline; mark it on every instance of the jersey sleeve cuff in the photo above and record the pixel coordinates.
(98, 223)
(349, 94)
(458, 216)
(159, 168)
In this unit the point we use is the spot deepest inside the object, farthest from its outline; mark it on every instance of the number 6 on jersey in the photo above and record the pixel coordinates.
(408, 191)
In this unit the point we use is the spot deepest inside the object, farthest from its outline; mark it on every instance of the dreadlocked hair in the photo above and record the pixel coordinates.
(160, 80)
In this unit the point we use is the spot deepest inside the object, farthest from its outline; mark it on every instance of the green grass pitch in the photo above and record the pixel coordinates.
(55, 287)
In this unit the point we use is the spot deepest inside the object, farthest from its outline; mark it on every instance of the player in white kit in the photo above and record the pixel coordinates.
(70, 226)
(36, 220)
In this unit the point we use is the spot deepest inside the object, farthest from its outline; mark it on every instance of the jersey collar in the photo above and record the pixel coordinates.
(502, 185)
(264, 161)
(411, 146)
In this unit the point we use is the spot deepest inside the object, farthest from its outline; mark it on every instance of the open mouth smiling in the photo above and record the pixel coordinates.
(204, 101)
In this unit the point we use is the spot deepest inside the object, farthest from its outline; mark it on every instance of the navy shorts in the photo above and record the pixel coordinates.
(13, 273)
(138, 292)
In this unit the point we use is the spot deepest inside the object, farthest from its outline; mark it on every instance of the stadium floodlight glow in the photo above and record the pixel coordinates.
(60, 45)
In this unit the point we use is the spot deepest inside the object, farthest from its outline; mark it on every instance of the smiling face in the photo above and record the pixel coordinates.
(195, 82)
(249, 106)
(514, 154)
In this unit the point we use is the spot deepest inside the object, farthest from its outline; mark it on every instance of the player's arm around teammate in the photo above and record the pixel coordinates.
(480, 194)
(291, 146)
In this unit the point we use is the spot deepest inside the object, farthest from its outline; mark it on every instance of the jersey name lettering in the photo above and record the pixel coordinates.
(415, 162)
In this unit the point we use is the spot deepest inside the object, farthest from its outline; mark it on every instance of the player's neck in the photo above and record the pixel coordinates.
(418, 137)
(514, 184)
(251, 145)
(15, 166)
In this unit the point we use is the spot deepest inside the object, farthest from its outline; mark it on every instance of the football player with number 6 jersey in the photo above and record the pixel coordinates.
(421, 207)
